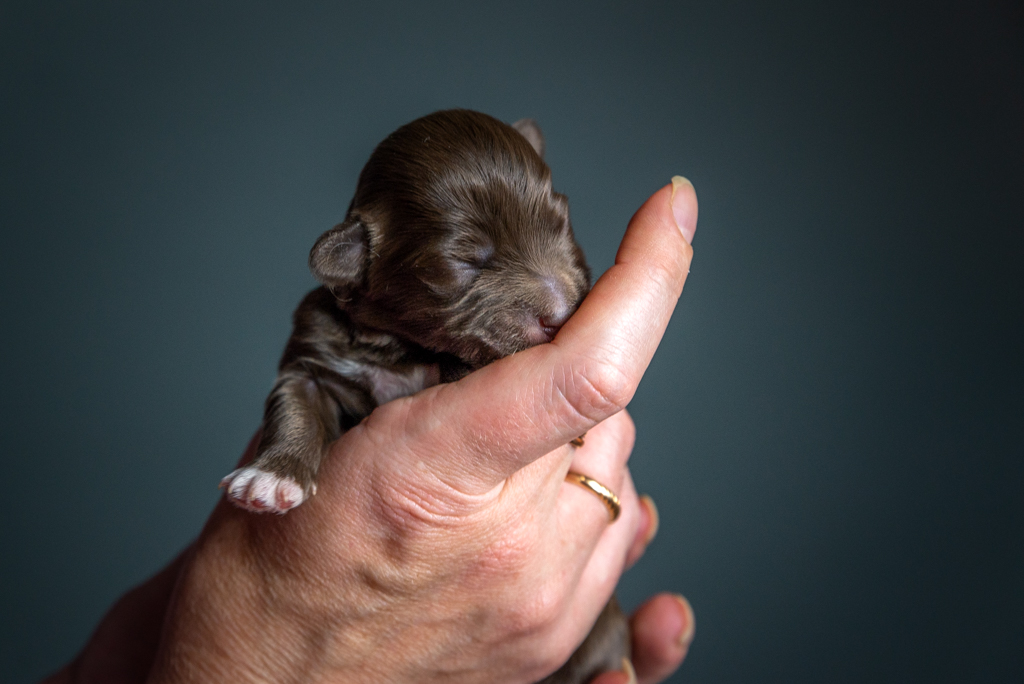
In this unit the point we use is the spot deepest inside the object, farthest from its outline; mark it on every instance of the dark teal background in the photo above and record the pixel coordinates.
(833, 427)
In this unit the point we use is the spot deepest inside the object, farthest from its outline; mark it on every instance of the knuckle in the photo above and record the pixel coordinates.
(538, 611)
(668, 269)
(596, 389)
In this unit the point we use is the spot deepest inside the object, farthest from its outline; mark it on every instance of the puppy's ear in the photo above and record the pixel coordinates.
(339, 258)
(531, 131)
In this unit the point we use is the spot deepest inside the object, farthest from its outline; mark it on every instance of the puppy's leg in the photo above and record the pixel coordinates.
(301, 419)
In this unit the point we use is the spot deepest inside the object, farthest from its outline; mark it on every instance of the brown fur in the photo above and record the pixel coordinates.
(455, 252)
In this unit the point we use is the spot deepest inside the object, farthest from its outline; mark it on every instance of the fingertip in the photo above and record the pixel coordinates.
(646, 530)
(684, 207)
(659, 234)
(689, 628)
(627, 669)
(612, 678)
(627, 675)
(663, 630)
(654, 520)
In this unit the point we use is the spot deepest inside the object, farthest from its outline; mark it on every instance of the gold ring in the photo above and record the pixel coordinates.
(607, 496)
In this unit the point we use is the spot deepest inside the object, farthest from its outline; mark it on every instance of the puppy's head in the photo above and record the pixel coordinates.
(456, 241)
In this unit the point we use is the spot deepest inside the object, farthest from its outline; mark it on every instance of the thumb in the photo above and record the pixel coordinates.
(504, 416)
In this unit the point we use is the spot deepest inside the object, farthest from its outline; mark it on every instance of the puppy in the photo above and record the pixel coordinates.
(455, 252)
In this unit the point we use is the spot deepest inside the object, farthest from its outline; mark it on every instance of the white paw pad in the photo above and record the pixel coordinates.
(262, 492)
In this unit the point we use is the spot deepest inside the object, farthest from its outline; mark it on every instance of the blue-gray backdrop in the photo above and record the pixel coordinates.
(833, 427)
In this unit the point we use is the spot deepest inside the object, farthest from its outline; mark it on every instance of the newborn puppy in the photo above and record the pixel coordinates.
(455, 252)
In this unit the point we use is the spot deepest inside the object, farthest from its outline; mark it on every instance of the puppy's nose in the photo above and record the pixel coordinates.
(540, 332)
(554, 321)
(554, 311)
(546, 331)
(548, 325)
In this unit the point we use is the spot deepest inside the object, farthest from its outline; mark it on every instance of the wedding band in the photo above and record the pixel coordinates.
(607, 496)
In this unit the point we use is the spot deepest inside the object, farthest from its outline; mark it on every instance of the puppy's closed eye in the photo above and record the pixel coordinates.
(463, 275)
(445, 277)
(473, 249)
(470, 256)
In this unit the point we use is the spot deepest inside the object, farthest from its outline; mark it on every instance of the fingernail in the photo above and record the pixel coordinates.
(690, 626)
(678, 211)
(652, 510)
(627, 667)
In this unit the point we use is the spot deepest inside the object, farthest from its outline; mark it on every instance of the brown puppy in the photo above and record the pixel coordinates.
(455, 252)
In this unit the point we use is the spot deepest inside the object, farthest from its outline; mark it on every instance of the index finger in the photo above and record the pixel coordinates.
(493, 422)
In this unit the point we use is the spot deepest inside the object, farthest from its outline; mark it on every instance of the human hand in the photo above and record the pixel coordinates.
(444, 543)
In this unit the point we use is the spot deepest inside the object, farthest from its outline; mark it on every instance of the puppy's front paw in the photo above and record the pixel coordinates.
(261, 491)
